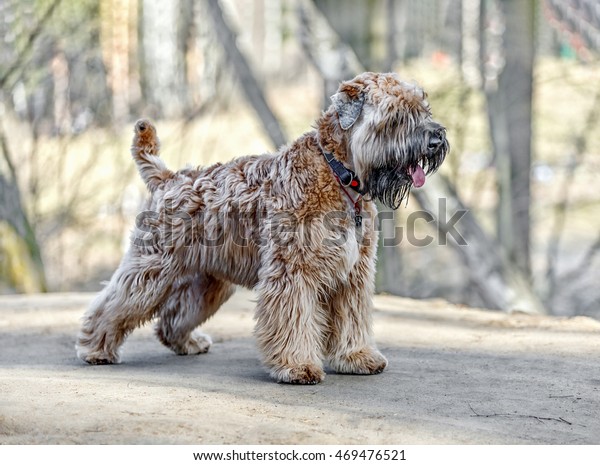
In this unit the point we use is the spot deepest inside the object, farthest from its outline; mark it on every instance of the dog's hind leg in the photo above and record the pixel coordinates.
(192, 300)
(131, 298)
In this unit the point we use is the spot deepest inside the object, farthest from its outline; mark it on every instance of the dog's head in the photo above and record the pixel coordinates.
(390, 138)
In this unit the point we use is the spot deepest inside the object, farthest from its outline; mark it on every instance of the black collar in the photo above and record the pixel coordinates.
(346, 177)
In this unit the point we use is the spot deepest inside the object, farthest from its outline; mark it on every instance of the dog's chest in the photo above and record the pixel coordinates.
(351, 250)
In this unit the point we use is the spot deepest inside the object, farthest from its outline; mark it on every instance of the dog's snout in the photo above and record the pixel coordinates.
(436, 140)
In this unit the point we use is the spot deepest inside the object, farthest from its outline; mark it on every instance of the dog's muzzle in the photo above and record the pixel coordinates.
(432, 157)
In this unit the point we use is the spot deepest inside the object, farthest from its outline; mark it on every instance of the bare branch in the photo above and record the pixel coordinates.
(333, 59)
(252, 89)
(585, 263)
(516, 415)
(7, 157)
(499, 283)
(33, 35)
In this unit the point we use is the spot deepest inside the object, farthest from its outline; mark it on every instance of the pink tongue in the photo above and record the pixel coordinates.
(418, 176)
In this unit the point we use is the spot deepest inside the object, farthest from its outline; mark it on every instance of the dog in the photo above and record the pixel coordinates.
(297, 226)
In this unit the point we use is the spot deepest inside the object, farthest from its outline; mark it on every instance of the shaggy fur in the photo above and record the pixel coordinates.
(278, 223)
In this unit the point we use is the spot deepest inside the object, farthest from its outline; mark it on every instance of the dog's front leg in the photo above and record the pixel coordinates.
(290, 328)
(350, 345)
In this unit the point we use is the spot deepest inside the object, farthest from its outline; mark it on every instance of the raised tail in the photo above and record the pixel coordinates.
(144, 150)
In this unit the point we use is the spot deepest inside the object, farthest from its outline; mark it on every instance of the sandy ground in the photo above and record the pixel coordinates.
(456, 376)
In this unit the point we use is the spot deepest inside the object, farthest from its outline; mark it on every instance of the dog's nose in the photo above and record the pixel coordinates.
(435, 141)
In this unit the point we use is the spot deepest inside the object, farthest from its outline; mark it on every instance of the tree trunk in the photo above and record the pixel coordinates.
(21, 263)
(115, 39)
(389, 257)
(520, 36)
(163, 74)
(509, 100)
(391, 36)
(211, 81)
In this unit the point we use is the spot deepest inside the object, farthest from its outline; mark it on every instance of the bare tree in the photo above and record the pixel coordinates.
(508, 56)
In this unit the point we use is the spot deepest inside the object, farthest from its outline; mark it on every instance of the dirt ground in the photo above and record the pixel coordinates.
(456, 376)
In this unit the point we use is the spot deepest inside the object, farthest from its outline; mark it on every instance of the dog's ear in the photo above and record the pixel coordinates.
(348, 103)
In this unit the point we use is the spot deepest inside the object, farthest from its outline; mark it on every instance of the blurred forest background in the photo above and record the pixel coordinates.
(516, 82)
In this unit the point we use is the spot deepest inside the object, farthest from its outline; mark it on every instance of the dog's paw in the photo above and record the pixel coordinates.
(367, 361)
(97, 357)
(197, 343)
(299, 374)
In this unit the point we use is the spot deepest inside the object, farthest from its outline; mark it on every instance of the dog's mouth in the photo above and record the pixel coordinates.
(427, 164)
(415, 174)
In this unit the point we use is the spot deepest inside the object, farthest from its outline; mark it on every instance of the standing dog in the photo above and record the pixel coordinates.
(297, 226)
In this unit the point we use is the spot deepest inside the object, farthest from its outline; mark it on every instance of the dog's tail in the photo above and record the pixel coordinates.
(145, 149)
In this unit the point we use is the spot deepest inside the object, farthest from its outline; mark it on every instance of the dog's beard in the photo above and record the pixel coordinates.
(387, 185)
(391, 184)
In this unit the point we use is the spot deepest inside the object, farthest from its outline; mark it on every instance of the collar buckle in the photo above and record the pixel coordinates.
(346, 177)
